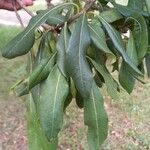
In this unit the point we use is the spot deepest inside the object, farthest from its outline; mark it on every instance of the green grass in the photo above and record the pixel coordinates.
(7, 33)
(10, 70)
(128, 117)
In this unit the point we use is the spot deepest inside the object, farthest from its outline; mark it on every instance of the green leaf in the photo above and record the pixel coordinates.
(136, 4)
(111, 15)
(117, 41)
(99, 79)
(54, 91)
(79, 100)
(24, 41)
(37, 140)
(140, 34)
(126, 79)
(56, 19)
(62, 46)
(99, 39)
(131, 49)
(17, 46)
(112, 86)
(148, 5)
(133, 7)
(77, 65)
(39, 74)
(95, 118)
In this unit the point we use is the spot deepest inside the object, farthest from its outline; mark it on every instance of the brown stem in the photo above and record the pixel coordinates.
(18, 16)
(24, 7)
(86, 8)
(48, 3)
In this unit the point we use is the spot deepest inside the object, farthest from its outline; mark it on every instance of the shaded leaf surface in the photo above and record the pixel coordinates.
(22, 43)
(110, 83)
(77, 65)
(95, 118)
(53, 93)
(117, 41)
(62, 46)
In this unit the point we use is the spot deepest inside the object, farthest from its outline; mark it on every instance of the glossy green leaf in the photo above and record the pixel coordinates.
(54, 91)
(112, 86)
(17, 47)
(56, 19)
(133, 7)
(140, 33)
(95, 118)
(62, 46)
(131, 49)
(39, 74)
(126, 79)
(99, 39)
(111, 15)
(77, 65)
(37, 140)
(22, 43)
(136, 4)
(117, 41)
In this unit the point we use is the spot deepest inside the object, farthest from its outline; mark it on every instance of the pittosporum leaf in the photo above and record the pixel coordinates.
(37, 139)
(111, 15)
(133, 7)
(140, 34)
(24, 41)
(126, 79)
(39, 74)
(99, 39)
(95, 118)
(53, 93)
(20, 45)
(112, 86)
(77, 64)
(117, 41)
(62, 46)
(136, 5)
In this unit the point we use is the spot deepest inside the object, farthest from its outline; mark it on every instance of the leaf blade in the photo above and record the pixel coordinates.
(95, 118)
(77, 64)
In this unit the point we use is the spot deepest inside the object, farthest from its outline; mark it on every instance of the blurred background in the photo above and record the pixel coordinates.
(129, 117)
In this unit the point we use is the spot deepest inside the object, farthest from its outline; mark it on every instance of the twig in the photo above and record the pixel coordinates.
(24, 7)
(17, 15)
(49, 4)
(86, 8)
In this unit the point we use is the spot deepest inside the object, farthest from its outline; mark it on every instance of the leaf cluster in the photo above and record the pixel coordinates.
(83, 44)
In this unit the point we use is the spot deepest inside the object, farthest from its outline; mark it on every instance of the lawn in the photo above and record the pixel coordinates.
(129, 121)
